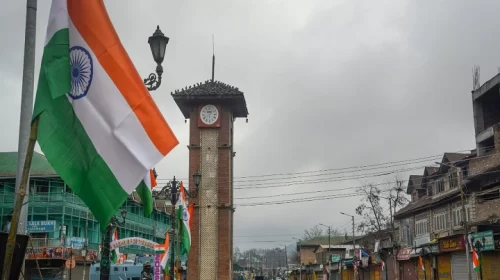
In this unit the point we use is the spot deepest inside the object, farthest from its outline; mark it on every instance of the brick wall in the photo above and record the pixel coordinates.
(194, 165)
(225, 197)
(487, 209)
(307, 255)
(488, 161)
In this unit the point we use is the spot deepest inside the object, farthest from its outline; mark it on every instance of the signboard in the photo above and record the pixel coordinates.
(404, 254)
(75, 242)
(452, 244)
(157, 272)
(41, 226)
(132, 241)
(335, 258)
(482, 241)
(423, 239)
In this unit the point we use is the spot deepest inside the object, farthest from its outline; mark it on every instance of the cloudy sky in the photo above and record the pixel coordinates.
(329, 84)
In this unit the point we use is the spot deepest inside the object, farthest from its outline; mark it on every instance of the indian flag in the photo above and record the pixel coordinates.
(166, 254)
(98, 126)
(476, 264)
(115, 254)
(145, 191)
(184, 214)
(421, 263)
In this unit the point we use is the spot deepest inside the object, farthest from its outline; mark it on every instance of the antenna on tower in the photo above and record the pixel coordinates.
(213, 57)
(475, 77)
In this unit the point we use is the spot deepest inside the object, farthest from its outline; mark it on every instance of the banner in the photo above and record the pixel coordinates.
(132, 241)
(157, 266)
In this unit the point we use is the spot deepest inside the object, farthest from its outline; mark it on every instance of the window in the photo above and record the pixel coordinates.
(441, 221)
(76, 232)
(457, 218)
(439, 186)
(453, 178)
(421, 227)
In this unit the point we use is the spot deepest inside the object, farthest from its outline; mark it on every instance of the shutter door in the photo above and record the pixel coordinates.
(459, 266)
(366, 274)
(490, 265)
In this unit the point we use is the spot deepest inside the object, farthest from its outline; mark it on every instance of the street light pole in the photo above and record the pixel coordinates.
(461, 186)
(329, 247)
(353, 240)
(108, 235)
(172, 190)
(300, 260)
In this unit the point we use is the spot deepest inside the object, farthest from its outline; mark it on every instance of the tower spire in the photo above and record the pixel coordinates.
(213, 58)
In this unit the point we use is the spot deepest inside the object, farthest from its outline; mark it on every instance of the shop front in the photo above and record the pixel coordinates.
(487, 247)
(335, 267)
(427, 254)
(444, 267)
(347, 269)
(407, 270)
(455, 246)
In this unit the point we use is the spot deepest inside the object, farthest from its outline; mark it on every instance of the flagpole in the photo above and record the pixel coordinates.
(178, 263)
(26, 102)
(11, 242)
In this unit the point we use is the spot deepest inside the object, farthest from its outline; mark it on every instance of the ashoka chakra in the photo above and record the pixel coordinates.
(82, 70)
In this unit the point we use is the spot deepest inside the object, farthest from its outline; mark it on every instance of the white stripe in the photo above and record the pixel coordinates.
(58, 18)
(113, 127)
(147, 180)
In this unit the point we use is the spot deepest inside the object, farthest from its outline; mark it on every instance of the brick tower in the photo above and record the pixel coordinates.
(212, 108)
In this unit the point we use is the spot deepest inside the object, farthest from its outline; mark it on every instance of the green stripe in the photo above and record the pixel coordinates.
(146, 197)
(64, 141)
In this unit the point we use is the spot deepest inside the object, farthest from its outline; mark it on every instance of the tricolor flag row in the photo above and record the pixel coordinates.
(184, 213)
(98, 125)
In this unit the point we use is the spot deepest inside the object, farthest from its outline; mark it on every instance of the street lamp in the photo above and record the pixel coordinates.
(300, 260)
(353, 239)
(158, 44)
(108, 235)
(329, 245)
(171, 190)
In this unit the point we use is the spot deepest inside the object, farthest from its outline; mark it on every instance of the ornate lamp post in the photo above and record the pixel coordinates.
(171, 190)
(478, 245)
(105, 263)
(158, 43)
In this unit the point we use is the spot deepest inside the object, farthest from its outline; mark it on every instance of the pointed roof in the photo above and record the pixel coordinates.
(414, 183)
(451, 159)
(210, 91)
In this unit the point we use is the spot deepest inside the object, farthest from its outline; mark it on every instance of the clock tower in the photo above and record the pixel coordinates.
(212, 108)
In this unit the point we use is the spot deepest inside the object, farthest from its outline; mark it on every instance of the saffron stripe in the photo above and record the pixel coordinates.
(93, 23)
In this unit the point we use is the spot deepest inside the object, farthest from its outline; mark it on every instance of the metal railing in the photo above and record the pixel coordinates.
(46, 242)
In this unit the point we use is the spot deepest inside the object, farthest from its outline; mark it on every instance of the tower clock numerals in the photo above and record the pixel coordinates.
(209, 114)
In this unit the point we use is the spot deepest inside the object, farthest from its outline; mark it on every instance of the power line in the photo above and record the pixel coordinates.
(354, 168)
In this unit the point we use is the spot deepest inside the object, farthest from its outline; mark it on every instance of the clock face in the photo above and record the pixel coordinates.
(209, 114)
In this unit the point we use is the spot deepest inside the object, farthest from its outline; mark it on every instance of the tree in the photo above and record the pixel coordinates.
(373, 218)
(315, 231)
(295, 257)
(236, 254)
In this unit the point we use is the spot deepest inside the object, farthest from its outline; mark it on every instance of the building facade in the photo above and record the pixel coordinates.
(59, 223)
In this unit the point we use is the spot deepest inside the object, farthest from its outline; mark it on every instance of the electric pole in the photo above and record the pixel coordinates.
(86, 246)
(461, 185)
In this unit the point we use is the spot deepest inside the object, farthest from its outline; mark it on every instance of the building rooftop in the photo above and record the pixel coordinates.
(208, 91)
(40, 167)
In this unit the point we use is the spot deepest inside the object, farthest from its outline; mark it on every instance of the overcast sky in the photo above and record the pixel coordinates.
(329, 84)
